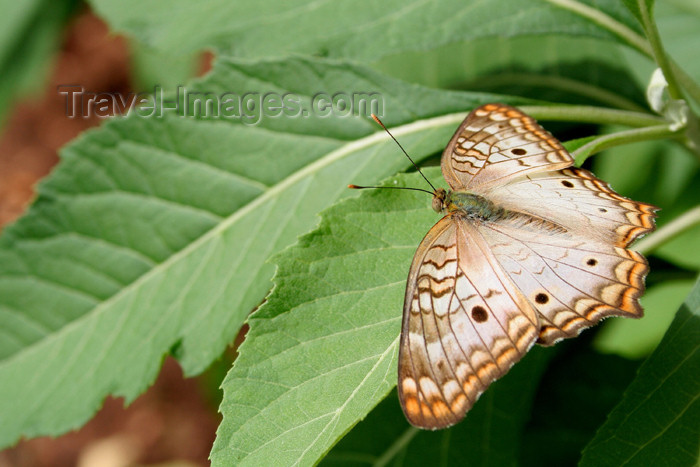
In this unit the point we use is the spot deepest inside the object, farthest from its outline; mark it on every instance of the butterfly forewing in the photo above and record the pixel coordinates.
(497, 143)
(464, 325)
(578, 201)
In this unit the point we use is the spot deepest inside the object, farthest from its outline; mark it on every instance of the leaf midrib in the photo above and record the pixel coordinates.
(333, 156)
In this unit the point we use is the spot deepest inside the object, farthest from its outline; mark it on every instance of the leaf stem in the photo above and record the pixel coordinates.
(615, 27)
(592, 114)
(674, 228)
(689, 85)
(657, 49)
(620, 138)
(650, 47)
(398, 445)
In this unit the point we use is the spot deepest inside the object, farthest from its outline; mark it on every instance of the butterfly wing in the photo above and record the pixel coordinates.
(464, 325)
(497, 143)
(565, 243)
(580, 202)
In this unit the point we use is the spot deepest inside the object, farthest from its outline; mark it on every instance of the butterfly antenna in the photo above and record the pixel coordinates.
(358, 187)
(376, 119)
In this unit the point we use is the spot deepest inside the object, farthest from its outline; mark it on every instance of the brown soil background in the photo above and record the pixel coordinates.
(174, 422)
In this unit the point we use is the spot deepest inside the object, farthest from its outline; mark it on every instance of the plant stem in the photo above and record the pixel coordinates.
(689, 85)
(658, 51)
(591, 114)
(620, 138)
(651, 47)
(674, 228)
(607, 22)
(397, 446)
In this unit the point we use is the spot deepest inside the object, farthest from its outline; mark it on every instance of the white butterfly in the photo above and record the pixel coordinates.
(529, 250)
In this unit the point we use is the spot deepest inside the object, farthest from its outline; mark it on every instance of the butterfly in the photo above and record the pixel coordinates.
(530, 250)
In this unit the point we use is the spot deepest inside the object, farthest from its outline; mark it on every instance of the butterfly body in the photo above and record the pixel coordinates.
(470, 205)
(529, 251)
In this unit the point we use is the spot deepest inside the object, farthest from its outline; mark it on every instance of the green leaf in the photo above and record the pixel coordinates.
(575, 395)
(574, 147)
(29, 34)
(635, 6)
(657, 421)
(152, 235)
(629, 169)
(679, 27)
(638, 338)
(152, 67)
(556, 68)
(682, 250)
(489, 435)
(322, 351)
(363, 31)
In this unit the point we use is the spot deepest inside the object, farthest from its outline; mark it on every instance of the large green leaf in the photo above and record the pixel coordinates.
(555, 68)
(361, 30)
(636, 6)
(322, 351)
(152, 234)
(679, 27)
(657, 422)
(638, 338)
(574, 398)
(673, 168)
(490, 435)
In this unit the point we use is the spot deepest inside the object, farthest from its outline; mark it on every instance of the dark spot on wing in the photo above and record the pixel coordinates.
(541, 298)
(479, 314)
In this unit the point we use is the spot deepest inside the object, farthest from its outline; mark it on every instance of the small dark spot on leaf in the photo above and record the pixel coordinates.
(541, 298)
(567, 184)
(518, 151)
(479, 314)
(602, 210)
(592, 262)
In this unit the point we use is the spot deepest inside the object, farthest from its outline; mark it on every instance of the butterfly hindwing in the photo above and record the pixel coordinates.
(464, 325)
(573, 282)
(497, 143)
